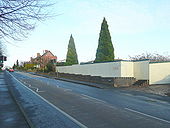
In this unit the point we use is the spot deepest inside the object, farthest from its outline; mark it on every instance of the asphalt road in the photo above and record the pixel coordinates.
(53, 103)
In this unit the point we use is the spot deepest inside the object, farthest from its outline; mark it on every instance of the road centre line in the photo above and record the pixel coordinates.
(144, 98)
(157, 118)
(64, 113)
(93, 98)
(67, 90)
(106, 103)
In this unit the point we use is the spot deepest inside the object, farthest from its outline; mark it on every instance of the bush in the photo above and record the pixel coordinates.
(50, 68)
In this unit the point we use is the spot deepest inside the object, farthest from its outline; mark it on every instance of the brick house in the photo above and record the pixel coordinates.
(42, 60)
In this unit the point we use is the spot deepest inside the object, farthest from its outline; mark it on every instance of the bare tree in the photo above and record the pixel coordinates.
(18, 17)
(153, 57)
(2, 49)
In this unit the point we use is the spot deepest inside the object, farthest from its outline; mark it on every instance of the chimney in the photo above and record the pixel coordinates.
(38, 55)
(31, 59)
(46, 51)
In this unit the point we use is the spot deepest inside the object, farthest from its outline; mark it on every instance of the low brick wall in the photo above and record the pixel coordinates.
(123, 81)
(111, 81)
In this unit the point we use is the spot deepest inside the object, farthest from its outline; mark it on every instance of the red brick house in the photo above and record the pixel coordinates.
(42, 60)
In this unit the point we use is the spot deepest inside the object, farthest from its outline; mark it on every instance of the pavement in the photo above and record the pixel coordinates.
(10, 113)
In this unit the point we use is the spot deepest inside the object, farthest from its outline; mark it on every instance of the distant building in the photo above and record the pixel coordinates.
(42, 60)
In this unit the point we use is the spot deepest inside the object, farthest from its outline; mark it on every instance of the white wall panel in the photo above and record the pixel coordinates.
(159, 73)
(110, 69)
(141, 70)
(127, 69)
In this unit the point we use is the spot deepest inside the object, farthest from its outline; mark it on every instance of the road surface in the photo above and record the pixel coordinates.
(53, 103)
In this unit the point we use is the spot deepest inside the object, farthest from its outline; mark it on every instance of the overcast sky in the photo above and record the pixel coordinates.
(136, 26)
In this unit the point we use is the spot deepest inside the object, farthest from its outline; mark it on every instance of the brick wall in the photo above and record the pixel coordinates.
(109, 81)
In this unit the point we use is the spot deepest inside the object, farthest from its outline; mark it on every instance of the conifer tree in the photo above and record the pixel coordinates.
(105, 50)
(71, 53)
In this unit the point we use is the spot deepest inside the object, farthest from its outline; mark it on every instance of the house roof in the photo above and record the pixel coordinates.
(50, 53)
(47, 51)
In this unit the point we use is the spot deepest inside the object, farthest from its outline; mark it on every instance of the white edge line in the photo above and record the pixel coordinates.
(148, 115)
(64, 113)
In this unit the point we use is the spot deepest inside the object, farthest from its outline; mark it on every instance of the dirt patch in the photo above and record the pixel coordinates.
(168, 94)
(163, 90)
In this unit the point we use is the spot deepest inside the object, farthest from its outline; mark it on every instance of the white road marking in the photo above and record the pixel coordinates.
(157, 118)
(64, 113)
(93, 98)
(146, 98)
(41, 91)
(23, 81)
(67, 90)
(110, 106)
(37, 90)
(29, 85)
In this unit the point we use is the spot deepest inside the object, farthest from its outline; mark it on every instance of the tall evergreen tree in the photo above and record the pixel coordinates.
(105, 50)
(71, 53)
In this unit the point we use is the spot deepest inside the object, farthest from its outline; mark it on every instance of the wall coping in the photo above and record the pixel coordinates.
(159, 62)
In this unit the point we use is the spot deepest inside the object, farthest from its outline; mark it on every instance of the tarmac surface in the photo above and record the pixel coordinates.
(10, 114)
(162, 90)
(93, 107)
(54, 103)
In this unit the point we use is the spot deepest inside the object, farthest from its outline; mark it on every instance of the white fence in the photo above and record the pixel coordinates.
(156, 73)
(111, 69)
(139, 70)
